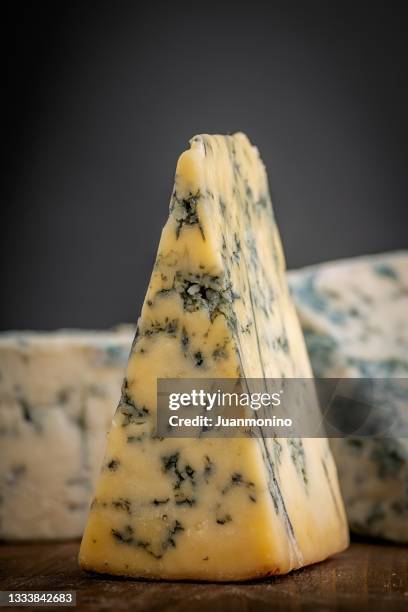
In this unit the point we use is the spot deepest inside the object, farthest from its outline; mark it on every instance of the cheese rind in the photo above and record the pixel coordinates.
(57, 390)
(217, 306)
(354, 315)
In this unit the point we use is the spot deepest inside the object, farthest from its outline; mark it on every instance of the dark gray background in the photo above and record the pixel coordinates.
(103, 97)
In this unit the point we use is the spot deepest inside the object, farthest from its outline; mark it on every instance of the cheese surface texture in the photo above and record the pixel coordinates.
(354, 315)
(57, 393)
(217, 306)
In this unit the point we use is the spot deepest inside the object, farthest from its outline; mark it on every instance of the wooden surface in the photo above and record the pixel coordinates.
(367, 576)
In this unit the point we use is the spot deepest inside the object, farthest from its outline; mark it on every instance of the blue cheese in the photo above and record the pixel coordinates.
(354, 315)
(57, 393)
(217, 306)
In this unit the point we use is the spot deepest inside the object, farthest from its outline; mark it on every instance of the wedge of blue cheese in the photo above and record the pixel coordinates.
(354, 315)
(57, 393)
(217, 306)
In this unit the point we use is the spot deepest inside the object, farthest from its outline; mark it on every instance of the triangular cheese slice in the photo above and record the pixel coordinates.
(217, 306)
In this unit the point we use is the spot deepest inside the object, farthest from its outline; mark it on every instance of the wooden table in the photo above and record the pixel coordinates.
(368, 576)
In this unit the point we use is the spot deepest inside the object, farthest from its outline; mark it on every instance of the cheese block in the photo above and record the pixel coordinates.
(354, 315)
(217, 306)
(57, 396)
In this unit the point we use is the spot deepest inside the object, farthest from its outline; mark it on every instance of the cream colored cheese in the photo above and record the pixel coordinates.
(57, 396)
(354, 313)
(217, 306)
